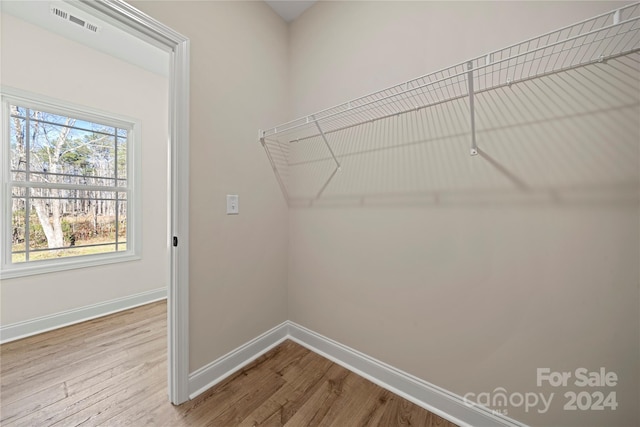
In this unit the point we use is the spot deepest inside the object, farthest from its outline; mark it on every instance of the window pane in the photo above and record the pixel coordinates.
(122, 160)
(122, 219)
(36, 229)
(18, 257)
(17, 111)
(71, 252)
(61, 219)
(60, 152)
(67, 150)
(18, 227)
(18, 176)
(48, 117)
(17, 144)
(43, 151)
(90, 154)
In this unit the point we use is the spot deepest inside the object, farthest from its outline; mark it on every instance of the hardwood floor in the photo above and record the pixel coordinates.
(112, 372)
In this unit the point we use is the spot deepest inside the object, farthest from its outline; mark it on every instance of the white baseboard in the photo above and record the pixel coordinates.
(15, 331)
(216, 371)
(428, 396)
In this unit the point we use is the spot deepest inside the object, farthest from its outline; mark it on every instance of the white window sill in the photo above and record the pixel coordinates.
(51, 266)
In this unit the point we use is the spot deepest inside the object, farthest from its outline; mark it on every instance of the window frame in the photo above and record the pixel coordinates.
(8, 269)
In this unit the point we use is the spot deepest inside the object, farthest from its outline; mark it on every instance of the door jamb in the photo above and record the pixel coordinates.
(148, 29)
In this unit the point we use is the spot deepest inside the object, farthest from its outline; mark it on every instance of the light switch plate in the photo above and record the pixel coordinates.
(232, 204)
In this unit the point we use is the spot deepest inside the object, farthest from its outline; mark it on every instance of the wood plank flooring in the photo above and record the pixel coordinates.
(112, 372)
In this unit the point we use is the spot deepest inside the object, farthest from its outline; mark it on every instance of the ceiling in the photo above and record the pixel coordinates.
(106, 38)
(290, 9)
(114, 41)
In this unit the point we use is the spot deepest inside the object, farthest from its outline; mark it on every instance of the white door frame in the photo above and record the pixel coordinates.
(148, 29)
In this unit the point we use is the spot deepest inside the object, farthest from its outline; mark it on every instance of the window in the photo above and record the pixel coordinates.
(69, 182)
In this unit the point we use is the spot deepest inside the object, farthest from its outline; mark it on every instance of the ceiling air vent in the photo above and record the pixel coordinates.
(74, 19)
(91, 27)
(61, 13)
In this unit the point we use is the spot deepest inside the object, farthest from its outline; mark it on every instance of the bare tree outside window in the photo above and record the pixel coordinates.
(68, 186)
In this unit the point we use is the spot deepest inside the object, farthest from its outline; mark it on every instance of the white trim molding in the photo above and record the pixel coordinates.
(18, 330)
(23, 98)
(426, 395)
(216, 371)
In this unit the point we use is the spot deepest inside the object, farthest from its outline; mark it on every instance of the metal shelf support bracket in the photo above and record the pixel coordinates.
(474, 146)
(335, 159)
(324, 138)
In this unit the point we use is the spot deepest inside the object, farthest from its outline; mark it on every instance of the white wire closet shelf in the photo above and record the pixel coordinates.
(595, 40)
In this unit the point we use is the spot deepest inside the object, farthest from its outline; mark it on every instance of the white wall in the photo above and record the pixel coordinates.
(44, 63)
(238, 263)
(471, 273)
(471, 290)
